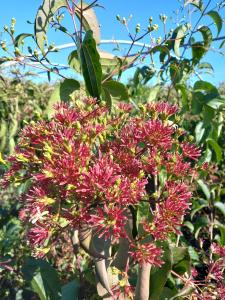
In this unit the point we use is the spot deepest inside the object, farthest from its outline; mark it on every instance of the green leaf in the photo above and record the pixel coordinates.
(216, 19)
(198, 51)
(206, 65)
(153, 92)
(222, 44)
(215, 146)
(44, 15)
(70, 291)
(178, 37)
(184, 95)
(107, 98)
(109, 62)
(159, 276)
(189, 225)
(117, 90)
(164, 51)
(221, 228)
(193, 254)
(91, 67)
(220, 206)
(216, 103)
(62, 93)
(89, 20)
(43, 279)
(19, 39)
(207, 36)
(206, 87)
(197, 3)
(74, 61)
(204, 188)
(199, 132)
(181, 259)
(200, 223)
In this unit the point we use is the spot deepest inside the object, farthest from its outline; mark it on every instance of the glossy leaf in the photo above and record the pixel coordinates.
(177, 37)
(159, 276)
(74, 61)
(216, 19)
(117, 90)
(62, 93)
(19, 39)
(220, 206)
(216, 148)
(204, 188)
(43, 279)
(90, 64)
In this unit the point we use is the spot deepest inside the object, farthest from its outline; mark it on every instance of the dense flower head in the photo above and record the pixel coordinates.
(86, 166)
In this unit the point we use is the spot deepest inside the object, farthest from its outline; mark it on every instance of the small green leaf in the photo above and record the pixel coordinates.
(206, 66)
(222, 44)
(216, 103)
(199, 132)
(117, 90)
(91, 67)
(74, 61)
(178, 37)
(19, 39)
(164, 51)
(153, 92)
(220, 206)
(44, 15)
(204, 188)
(62, 93)
(216, 19)
(181, 260)
(215, 146)
(207, 36)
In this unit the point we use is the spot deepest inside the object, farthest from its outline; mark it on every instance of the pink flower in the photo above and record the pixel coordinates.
(190, 151)
(108, 221)
(146, 253)
(219, 250)
(163, 108)
(38, 235)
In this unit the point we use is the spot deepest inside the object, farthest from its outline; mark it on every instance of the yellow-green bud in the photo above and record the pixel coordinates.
(6, 28)
(35, 53)
(118, 18)
(13, 21)
(124, 21)
(3, 46)
(17, 51)
(138, 28)
(12, 29)
(155, 27)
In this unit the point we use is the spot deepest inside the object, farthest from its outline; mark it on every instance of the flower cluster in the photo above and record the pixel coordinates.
(86, 166)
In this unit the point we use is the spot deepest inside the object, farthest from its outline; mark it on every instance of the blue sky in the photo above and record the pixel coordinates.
(141, 10)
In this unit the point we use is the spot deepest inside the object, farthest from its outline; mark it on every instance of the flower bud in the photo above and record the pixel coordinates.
(3, 46)
(13, 21)
(17, 52)
(6, 28)
(138, 28)
(118, 18)
(12, 29)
